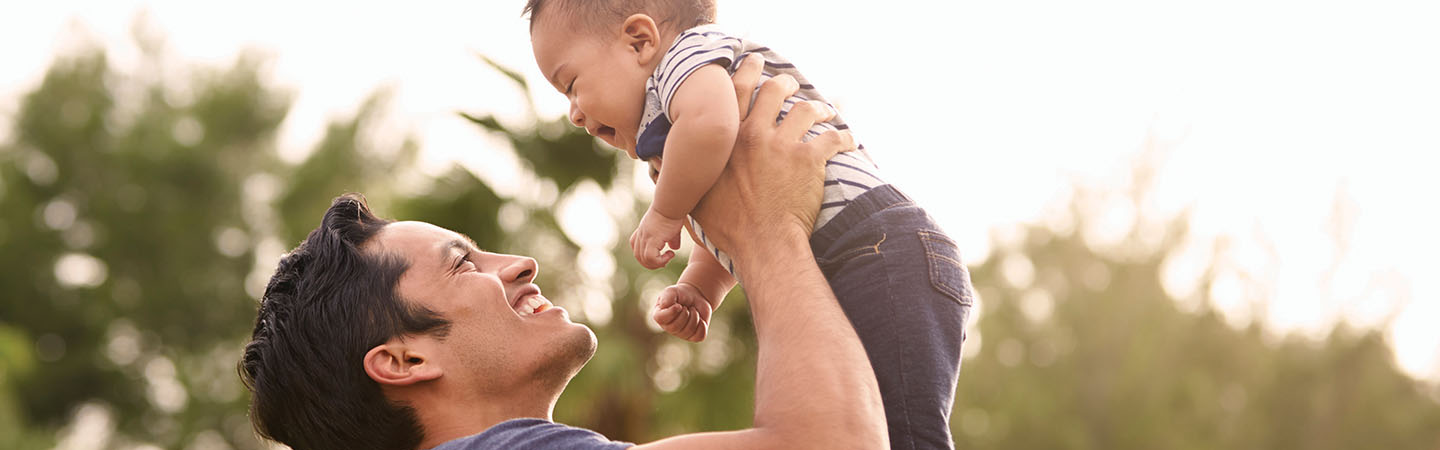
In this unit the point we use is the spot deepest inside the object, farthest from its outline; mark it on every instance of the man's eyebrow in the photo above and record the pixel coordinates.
(472, 243)
(465, 245)
(453, 244)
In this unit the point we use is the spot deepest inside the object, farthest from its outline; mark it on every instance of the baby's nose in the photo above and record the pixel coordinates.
(577, 118)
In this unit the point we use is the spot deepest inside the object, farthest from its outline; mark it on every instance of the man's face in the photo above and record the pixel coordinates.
(599, 73)
(503, 331)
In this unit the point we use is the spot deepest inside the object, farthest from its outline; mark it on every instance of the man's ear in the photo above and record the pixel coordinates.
(396, 364)
(642, 35)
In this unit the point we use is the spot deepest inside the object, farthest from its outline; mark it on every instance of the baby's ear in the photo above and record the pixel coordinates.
(642, 35)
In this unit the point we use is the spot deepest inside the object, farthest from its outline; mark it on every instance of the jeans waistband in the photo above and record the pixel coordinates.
(872, 201)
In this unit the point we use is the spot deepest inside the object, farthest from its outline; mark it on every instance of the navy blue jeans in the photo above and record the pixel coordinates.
(901, 284)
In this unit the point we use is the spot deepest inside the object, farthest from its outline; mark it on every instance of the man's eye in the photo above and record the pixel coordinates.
(460, 262)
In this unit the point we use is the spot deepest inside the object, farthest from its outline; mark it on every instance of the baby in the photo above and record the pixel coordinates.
(652, 77)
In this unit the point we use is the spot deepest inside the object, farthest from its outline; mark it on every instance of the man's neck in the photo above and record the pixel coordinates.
(445, 419)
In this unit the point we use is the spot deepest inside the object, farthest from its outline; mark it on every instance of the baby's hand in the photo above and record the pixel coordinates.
(652, 236)
(683, 312)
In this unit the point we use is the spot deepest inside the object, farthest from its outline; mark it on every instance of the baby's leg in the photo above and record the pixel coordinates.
(901, 284)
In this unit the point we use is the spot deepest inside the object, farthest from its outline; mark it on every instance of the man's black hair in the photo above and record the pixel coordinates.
(328, 303)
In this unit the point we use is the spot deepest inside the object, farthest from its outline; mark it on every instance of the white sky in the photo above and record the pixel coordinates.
(1268, 111)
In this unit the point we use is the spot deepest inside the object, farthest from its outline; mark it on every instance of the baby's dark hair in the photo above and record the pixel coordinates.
(675, 15)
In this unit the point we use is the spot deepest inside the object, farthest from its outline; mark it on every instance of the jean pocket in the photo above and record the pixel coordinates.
(833, 261)
(947, 274)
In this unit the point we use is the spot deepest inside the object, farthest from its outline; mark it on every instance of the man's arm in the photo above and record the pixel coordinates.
(814, 386)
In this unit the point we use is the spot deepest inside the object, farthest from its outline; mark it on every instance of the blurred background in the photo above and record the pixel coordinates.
(1191, 224)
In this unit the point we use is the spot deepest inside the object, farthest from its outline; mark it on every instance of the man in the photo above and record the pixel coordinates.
(374, 334)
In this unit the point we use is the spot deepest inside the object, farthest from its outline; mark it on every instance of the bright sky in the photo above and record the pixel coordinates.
(1274, 118)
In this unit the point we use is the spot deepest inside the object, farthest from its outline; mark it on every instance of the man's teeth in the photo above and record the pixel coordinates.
(533, 305)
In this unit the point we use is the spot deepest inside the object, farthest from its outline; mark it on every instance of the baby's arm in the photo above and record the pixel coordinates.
(706, 118)
(683, 309)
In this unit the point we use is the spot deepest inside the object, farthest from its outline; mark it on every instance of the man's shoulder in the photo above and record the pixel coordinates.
(536, 434)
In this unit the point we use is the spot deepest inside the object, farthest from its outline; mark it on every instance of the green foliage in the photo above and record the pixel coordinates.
(133, 205)
(146, 193)
(1115, 363)
(553, 149)
(343, 161)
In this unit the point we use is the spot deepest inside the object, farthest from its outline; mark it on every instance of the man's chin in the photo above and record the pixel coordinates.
(583, 344)
(567, 354)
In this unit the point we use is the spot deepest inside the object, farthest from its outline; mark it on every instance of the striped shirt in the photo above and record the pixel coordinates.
(847, 175)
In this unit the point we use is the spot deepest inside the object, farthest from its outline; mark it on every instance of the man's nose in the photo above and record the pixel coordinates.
(520, 270)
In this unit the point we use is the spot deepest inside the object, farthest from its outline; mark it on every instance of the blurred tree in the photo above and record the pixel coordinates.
(1083, 348)
(126, 247)
(347, 159)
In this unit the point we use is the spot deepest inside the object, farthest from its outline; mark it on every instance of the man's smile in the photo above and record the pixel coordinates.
(528, 301)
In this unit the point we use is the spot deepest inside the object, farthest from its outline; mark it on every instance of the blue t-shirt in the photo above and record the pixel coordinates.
(538, 434)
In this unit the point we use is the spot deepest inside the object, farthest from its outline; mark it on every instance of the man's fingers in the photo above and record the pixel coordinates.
(802, 116)
(832, 143)
(746, 77)
(772, 96)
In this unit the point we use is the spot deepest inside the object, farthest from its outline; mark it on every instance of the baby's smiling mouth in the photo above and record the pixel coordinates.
(610, 136)
(606, 134)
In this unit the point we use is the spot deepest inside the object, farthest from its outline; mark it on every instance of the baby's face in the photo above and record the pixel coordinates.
(599, 73)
